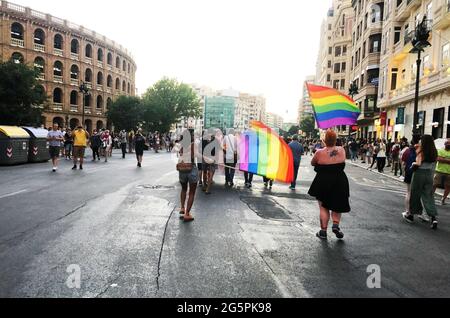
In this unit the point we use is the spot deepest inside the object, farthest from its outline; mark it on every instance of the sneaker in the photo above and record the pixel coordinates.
(434, 224)
(408, 217)
(292, 188)
(337, 231)
(322, 235)
(74, 168)
(81, 167)
(424, 218)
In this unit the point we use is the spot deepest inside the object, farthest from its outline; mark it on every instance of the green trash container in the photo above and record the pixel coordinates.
(14, 145)
(39, 146)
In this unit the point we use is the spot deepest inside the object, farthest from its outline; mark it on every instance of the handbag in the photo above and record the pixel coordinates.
(185, 167)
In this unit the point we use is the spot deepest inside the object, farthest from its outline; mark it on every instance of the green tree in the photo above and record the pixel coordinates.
(294, 130)
(167, 103)
(21, 96)
(308, 126)
(126, 112)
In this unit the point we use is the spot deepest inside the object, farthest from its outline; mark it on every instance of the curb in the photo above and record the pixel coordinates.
(386, 175)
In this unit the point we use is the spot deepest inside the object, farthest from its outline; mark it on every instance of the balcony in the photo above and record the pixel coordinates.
(98, 111)
(99, 88)
(57, 79)
(88, 85)
(74, 81)
(74, 56)
(41, 76)
(109, 90)
(17, 42)
(99, 64)
(110, 68)
(58, 52)
(57, 107)
(88, 60)
(73, 108)
(442, 20)
(39, 47)
(87, 110)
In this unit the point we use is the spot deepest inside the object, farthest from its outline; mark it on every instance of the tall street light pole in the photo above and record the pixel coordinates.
(419, 42)
(352, 91)
(85, 91)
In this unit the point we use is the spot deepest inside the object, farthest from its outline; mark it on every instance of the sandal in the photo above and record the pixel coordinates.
(182, 213)
(190, 218)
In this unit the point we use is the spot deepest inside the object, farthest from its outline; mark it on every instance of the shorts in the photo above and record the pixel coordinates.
(442, 180)
(200, 166)
(78, 152)
(189, 177)
(209, 167)
(54, 151)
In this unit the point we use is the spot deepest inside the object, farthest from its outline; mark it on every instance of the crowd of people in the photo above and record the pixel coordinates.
(420, 165)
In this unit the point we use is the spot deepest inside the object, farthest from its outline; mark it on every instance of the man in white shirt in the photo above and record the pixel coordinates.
(229, 146)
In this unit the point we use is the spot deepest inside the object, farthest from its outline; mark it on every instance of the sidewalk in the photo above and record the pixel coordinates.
(387, 173)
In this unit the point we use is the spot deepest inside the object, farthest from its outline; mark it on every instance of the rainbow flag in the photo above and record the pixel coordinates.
(264, 153)
(332, 108)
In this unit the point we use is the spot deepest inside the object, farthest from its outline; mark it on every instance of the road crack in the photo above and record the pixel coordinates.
(162, 249)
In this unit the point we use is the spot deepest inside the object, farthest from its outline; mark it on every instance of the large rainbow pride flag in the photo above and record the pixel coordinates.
(332, 108)
(264, 153)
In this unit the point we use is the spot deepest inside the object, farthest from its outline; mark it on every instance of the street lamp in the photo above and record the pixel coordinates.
(85, 91)
(419, 42)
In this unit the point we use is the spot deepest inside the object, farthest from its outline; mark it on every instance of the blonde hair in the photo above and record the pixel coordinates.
(330, 138)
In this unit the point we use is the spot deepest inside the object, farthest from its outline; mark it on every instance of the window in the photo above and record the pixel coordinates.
(337, 68)
(343, 67)
(394, 77)
(109, 58)
(329, 64)
(446, 55)
(397, 34)
(74, 72)
(376, 14)
(328, 78)
(100, 55)
(425, 65)
(88, 52)
(329, 27)
(39, 37)
(117, 84)
(57, 96)
(88, 76)
(87, 100)
(117, 62)
(124, 66)
(58, 69)
(342, 84)
(109, 81)
(74, 46)
(364, 49)
(17, 58)
(362, 84)
(373, 76)
(128, 88)
(336, 84)
(330, 50)
(74, 98)
(344, 50)
(39, 65)
(99, 102)
(100, 78)
(58, 42)
(17, 31)
(124, 86)
(337, 51)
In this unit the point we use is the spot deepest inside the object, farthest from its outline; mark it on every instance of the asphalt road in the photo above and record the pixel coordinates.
(120, 226)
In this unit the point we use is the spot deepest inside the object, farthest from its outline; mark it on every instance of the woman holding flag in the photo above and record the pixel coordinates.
(330, 187)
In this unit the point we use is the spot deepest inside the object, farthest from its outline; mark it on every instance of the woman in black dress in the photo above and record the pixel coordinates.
(330, 187)
(139, 141)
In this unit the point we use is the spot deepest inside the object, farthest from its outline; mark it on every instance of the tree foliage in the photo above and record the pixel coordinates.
(126, 112)
(167, 103)
(21, 96)
(308, 126)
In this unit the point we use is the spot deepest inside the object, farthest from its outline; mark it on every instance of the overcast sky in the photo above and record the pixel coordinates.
(256, 46)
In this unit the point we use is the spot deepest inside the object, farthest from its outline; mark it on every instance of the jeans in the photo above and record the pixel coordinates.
(95, 152)
(248, 177)
(124, 149)
(296, 168)
(229, 172)
(381, 163)
(422, 192)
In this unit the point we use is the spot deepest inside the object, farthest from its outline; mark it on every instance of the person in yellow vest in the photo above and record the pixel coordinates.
(80, 142)
(442, 177)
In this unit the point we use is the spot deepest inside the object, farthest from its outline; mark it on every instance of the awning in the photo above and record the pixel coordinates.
(14, 132)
